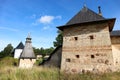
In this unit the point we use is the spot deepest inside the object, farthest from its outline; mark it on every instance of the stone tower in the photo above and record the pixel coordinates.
(27, 58)
(87, 43)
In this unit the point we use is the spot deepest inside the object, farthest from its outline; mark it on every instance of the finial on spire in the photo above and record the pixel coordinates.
(28, 39)
(84, 5)
(29, 35)
(99, 9)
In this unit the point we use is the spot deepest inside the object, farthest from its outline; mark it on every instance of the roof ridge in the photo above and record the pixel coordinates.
(20, 46)
(85, 15)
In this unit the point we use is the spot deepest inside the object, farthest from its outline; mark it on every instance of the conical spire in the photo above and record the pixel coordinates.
(28, 50)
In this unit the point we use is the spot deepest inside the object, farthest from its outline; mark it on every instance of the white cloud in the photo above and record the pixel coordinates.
(47, 19)
(9, 29)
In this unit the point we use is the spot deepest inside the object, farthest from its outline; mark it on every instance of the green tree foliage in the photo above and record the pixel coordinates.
(7, 51)
(59, 39)
(43, 51)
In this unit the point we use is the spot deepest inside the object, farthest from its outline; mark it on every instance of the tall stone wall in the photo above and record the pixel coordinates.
(116, 51)
(86, 48)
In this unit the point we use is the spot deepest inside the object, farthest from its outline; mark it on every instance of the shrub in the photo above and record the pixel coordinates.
(8, 61)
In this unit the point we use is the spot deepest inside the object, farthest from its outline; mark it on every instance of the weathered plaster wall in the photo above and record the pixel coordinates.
(86, 48)
(17, 53)
(26, 63)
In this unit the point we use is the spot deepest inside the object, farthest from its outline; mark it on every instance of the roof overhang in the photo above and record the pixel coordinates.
(110, 22)
(27, 57)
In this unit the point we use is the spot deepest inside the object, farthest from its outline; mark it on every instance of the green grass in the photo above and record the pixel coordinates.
(39, 73)
(9, 72)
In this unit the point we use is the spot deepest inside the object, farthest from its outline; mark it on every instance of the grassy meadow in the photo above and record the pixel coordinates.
(10, 72)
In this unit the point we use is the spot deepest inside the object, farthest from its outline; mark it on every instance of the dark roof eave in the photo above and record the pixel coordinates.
(27, 57)
(114, 35)
(110, 21)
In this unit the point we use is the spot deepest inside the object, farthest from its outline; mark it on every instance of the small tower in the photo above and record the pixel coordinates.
(27, 58)
(18, 50)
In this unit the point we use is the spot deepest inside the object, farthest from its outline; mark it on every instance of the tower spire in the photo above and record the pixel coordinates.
(84, 4)
(28, 39)
(99, 11)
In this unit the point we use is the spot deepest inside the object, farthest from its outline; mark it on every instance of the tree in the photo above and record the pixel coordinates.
(43, 51)
(59, 39)
(7, 51)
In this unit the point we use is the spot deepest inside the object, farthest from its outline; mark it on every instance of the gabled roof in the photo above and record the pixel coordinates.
(20, 46)
(115, 33)
(85, 15)
(56, 49)
(28, 49)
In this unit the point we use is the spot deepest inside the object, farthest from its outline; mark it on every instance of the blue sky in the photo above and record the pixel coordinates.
(41, 17)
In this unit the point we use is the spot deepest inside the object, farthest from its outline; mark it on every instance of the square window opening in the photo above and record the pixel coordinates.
(67, 60)
(77, 56)
(92, 56)
(91, 37)
(76, 38)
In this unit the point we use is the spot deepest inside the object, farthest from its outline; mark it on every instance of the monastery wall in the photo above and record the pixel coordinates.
(116, 51)
(87, 48)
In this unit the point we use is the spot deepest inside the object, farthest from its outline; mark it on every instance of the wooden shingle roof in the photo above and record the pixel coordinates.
(87, 16)
(28, 49)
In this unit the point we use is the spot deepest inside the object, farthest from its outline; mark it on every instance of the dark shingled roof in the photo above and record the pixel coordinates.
(115, 33)
(20, 46)
(52, 54)
(85, 15)
(28, 50)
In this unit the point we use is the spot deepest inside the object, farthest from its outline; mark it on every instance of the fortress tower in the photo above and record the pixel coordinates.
(87, 43)
(27, 58)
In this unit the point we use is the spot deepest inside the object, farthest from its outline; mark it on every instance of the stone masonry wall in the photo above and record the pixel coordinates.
(116, 51)
(87, 48)
(26, 63)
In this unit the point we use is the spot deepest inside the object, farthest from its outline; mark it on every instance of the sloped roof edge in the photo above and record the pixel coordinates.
(110, 21)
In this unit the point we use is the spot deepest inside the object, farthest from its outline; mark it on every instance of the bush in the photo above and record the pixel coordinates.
(8, 61)
(38, 61)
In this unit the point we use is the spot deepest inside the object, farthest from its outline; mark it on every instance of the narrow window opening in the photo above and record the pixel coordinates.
(76, 38)
(67, 60)
(91, 37)
(77, 56)
(92, 56)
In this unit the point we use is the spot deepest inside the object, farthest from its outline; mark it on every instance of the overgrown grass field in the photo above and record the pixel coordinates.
(10, 72)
